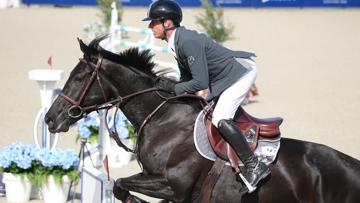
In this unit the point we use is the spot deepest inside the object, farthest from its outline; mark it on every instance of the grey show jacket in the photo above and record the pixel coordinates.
(204, 63)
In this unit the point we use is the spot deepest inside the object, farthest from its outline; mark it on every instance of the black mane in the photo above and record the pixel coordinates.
(139, 59)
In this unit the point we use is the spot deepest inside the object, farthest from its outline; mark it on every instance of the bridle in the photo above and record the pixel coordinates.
(76, 105)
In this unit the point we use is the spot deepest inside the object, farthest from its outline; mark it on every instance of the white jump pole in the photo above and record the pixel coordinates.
(46, 79)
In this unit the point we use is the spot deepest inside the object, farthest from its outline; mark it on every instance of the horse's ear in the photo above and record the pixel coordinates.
(84, 48)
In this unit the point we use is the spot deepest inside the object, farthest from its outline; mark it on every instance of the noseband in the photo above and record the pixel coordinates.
(76, 105)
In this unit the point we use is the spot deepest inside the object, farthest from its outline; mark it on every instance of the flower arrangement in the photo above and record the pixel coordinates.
(37, 164)
(58, 163)
(17, 158)
(88, 128)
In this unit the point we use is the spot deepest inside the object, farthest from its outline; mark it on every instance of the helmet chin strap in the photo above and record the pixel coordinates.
(166, 29)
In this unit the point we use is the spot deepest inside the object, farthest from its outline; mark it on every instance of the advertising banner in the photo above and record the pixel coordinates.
(222, 3)
(192, 3)
(231, 3)
(277, 3)
(62, 2)
(148, 2)
(331, 3)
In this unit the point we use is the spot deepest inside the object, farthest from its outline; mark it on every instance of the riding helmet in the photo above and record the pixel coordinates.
(165, 9)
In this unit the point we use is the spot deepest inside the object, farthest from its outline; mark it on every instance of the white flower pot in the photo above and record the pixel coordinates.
(55, 193)
(36, 192)
(17, 189)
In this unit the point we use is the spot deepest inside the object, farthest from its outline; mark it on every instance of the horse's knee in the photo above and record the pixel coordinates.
(120, 193)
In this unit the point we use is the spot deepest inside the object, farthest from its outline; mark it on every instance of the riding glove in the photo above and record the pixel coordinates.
(166, 85)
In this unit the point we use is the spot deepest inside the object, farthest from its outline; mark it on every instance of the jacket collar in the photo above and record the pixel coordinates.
(176, 40)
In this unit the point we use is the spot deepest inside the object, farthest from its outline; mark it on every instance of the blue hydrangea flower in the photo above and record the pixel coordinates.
(92, 120)
(18, 153)
(84, 131)
(62, 158)
(120, 124)
(24, 155)
(4, 158)
(84, 124)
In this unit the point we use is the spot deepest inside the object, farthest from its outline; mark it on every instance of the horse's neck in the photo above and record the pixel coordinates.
(138, 107)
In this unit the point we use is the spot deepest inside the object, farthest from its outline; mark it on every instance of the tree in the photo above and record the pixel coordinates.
(105, 8)
(212, 22)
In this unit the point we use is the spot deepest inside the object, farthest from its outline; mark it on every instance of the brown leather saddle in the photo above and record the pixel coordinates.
(252, 128)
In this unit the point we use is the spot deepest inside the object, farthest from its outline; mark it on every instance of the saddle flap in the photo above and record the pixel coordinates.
(222, 148)
(251, 127)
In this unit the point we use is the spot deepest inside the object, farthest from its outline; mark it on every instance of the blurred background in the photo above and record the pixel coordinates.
(307, 54)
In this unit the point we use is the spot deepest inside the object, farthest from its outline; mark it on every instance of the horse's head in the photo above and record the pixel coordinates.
(100, 76)
(86, 86)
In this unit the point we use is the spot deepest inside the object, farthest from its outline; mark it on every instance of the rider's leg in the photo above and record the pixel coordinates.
(233, 96)
(223, 114)
(256, 170)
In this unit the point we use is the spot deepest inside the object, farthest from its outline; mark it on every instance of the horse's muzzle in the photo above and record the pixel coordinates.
(59, 124)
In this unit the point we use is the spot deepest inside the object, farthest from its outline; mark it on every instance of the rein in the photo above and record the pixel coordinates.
(115, 135)
(77, 111)
(76, 104)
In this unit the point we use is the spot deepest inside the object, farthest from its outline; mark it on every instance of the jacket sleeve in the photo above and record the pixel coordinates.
(193, 51)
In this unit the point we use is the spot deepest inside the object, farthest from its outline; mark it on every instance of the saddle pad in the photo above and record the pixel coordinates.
(266, 150)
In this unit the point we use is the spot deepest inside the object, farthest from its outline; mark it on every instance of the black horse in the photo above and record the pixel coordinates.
(172, 168)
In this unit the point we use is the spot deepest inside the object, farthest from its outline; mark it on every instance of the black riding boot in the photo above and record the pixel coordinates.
(256, 170)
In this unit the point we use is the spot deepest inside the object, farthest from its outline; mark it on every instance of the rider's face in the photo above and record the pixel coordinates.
(157, 28)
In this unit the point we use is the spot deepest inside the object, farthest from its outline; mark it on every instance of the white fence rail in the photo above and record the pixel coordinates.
(116, 41)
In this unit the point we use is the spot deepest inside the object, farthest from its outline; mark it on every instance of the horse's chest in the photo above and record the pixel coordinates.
(153, 156)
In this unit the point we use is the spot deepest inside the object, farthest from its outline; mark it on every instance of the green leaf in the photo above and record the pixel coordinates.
(212, 22)
(131, 132)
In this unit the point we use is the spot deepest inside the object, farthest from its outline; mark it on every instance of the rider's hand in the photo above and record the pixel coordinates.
(166, 85)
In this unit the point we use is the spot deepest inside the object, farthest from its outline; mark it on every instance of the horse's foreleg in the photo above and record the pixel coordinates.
(153, 186)
(125, 196)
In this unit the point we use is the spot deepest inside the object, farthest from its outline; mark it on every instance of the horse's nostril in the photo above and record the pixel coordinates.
(48, 120)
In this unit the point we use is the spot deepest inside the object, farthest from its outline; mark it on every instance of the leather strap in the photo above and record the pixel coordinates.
(210, 180)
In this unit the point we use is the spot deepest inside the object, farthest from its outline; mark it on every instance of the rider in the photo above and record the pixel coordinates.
(205, 64)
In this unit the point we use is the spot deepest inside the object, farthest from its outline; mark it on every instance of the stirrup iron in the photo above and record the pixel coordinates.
(247, 184)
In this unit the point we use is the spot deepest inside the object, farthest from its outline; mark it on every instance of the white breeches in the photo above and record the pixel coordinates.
(232, 97)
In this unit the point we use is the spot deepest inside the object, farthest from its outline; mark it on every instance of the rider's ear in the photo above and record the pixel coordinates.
(168, 23)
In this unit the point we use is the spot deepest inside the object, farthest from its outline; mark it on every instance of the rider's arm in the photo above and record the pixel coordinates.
(194, 53)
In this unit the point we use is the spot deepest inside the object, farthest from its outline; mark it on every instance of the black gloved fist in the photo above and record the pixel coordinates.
(166, 85)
